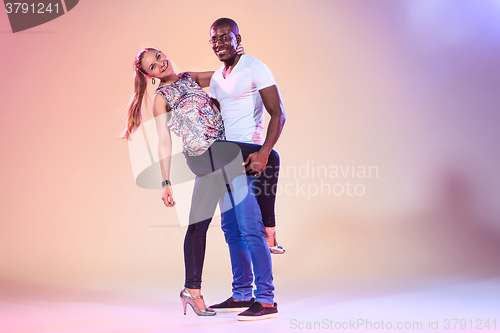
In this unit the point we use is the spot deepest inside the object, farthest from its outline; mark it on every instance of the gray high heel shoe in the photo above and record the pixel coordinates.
(186, 299)
(276, 249)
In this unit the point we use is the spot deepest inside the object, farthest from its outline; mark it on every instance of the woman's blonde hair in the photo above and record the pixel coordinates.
(140, 86)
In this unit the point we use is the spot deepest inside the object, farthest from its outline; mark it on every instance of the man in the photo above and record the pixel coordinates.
(241, 88)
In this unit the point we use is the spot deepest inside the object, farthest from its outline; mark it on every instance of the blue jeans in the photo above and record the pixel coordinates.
(247, 245)
(220, 177)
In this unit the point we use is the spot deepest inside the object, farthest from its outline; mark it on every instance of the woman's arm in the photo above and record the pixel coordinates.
(202, 78)
(160, 108)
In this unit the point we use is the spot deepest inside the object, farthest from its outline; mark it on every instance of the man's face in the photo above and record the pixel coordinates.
(224, 42)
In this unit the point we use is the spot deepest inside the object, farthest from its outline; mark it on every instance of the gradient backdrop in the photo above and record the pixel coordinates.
(409, 88)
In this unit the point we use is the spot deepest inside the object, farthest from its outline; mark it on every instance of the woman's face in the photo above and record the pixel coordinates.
(156, 64)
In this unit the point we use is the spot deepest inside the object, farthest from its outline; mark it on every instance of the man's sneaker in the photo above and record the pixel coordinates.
(232, 305)
(258, 312)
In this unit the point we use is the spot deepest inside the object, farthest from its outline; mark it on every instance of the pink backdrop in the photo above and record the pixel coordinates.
(409, 88)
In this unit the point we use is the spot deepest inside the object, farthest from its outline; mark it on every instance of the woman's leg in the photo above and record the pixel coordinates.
(267, 183)
(194, 256)
(194, 253)
(206, 192)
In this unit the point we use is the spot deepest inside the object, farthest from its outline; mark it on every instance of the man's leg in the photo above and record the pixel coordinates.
(252, 231)
(251, 228)
(226, 156)
(247, 249)
(244, 232)
(265, 187)
(238, 251)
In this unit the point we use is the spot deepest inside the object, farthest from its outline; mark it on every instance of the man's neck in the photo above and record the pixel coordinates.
(230, 63)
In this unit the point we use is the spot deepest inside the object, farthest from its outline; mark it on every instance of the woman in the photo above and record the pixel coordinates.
(198, 122)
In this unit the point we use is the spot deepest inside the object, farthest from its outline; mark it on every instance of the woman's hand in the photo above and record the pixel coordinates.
(240, 49)
(168, 196)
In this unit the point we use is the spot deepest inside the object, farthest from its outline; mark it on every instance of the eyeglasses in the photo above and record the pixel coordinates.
(223, 39)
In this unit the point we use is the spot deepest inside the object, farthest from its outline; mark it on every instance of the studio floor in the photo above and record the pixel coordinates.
(438, 305)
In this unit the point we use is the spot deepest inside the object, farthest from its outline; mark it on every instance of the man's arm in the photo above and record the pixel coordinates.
(272, 102)
(216, 102)
(274, 106)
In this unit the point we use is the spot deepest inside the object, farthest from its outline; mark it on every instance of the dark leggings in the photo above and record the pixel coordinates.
(210, 180)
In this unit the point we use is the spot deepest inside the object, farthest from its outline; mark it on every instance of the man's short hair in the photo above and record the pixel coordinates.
(224, 21)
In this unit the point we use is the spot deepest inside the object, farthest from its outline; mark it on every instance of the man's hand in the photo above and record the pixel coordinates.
(256, 163)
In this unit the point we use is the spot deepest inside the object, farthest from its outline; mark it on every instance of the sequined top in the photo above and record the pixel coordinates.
(195, 118)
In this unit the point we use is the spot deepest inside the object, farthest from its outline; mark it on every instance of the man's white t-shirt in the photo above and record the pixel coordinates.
(240, 102)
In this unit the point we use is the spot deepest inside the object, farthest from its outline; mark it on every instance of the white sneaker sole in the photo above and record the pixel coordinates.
(229, 310)
(252, 318)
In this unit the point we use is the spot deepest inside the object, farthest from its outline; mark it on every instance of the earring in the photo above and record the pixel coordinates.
(153, 81)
